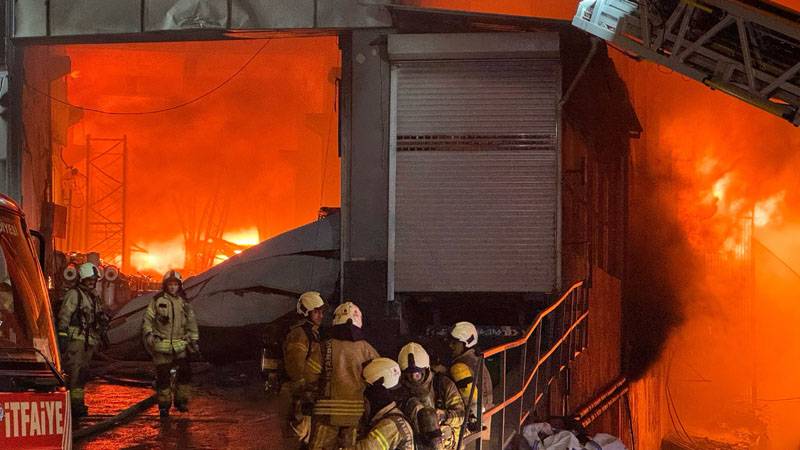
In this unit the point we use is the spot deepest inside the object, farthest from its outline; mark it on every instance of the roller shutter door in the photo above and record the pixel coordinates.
(476, 175)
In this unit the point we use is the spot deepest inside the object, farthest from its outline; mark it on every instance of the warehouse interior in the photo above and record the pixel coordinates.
(182, 153)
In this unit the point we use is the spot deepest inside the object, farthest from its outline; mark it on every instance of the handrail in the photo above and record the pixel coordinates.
(561, 327)
(488, 414)
(521, 341)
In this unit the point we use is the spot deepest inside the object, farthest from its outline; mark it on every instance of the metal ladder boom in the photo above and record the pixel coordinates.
(748, 50)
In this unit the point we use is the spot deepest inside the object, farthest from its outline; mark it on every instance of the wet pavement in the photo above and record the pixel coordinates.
(229, 410)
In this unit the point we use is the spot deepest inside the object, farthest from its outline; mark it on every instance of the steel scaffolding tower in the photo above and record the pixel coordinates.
(106, 192)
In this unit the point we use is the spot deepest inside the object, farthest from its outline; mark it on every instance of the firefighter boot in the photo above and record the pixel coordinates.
(77, 404)
(182, 397)
(164, 401)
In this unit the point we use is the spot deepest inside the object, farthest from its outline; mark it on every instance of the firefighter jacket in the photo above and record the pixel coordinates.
(389, 430)
(81, 316)
(471, 360)
(341, 393)
(170, 320)
(302, 359)
(435, 391)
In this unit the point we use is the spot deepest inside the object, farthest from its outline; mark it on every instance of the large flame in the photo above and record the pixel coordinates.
(244, 148)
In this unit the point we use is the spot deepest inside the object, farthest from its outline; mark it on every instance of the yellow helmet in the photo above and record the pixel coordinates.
(465, 332)
(347, 311)
(413, 356)
(383, 370)
(308, 302)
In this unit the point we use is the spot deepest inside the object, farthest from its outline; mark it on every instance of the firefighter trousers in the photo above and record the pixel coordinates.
(331, 437)
(182, 380)
(76, 365)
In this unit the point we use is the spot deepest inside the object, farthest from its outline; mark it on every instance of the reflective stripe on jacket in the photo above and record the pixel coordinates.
(171, 321)
(301, 357)
(342, 398)
(78, 314)
(389, 431)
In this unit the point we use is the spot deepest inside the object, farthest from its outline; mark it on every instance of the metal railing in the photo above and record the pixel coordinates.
(557, 336)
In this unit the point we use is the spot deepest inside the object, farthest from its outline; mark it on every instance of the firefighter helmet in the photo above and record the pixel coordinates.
(465, 332)
(347, 311)
(383, 371)
(308, 302)
(413, 357)
(173, 275)
(88, 270)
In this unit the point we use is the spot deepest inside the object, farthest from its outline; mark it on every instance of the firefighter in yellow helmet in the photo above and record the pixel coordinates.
(82, 323)
(389, 428)
(340, 402)
(462, 342)
(431, 400)
(170, 334)
(302, 362)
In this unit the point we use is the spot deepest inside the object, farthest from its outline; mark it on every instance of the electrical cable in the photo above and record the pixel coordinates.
(630, 420)
(161, 110)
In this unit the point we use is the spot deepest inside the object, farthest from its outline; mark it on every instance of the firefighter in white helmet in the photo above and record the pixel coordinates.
(170, 334)
(389, 428)
(462, 342)
(431, 400)
(340, 402)
(302, 363)
(82, 324)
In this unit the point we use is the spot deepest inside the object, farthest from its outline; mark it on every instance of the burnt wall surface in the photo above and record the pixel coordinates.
(597, 125)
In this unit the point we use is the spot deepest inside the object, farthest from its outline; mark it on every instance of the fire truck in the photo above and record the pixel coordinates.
(34, 400)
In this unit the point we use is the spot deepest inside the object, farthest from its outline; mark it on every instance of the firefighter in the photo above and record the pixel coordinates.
(302, 363)
(432, 401)
(82, 324)
(170, 334)
(463, 338)
(389, 428)
(340, 402)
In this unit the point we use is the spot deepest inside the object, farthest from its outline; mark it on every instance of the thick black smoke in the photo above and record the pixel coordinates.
(660, 267)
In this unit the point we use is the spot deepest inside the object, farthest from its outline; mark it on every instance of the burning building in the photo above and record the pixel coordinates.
(482, 164)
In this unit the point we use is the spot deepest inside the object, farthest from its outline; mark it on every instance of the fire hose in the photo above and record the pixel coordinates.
(119, 419)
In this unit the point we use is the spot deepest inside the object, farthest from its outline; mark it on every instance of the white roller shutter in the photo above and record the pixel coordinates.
(476, 175)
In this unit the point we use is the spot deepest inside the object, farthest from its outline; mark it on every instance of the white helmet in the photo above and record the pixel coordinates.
(88, 270)
(382, 370)
(465, 332)
(172, 275)
(308, 302)
(347, 311)
(413, 356)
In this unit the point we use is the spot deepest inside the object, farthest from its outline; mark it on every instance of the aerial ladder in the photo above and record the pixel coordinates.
(749, 49)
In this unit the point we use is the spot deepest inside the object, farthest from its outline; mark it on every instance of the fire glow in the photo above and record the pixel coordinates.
(208, 175)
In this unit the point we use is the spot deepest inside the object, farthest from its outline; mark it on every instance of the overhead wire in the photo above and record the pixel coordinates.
(160, 110)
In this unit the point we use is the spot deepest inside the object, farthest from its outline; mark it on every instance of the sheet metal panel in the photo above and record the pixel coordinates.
(113, 17)
(542, 45)
(477, 177)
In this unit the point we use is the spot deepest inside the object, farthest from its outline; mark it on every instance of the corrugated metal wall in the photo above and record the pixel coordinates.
(477, 178)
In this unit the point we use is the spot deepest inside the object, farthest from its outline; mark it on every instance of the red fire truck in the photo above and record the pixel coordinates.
(34, 400)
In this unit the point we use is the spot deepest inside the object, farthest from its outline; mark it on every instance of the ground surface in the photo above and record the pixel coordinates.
(228, 411)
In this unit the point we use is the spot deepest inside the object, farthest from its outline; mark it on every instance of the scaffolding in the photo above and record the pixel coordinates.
(106, 195)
